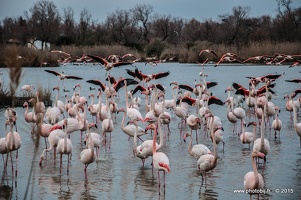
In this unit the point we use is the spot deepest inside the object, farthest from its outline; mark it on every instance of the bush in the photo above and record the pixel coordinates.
(155, 48)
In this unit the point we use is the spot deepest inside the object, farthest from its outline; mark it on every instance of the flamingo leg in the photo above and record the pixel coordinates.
(159, 180)
(17, 162)
(61, 163)
(68, 165)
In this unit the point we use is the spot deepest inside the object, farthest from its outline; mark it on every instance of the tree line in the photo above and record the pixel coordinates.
(141, 26)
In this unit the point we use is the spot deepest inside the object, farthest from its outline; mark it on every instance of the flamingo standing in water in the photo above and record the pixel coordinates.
(253, 180)
(55, 135)
(97, 141)
(130, 129)
(13, 143)
(88, 156)
(297, 126)
(132, 113)
(64, 146)
(248, 137)
(277, 123)
(197, 150)
(208, 162)
(11, 115)
(107, 124)
(194, 123)
(29, 116)
(261, 144)
(160, 159)
(27, 88)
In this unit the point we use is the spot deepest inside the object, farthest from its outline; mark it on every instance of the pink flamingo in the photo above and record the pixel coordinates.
(160, 159)
(29, 116)
(81, 99)
(208, 162)
(13, 143)
(261, 144)
(64, 146)
(97, 141)
(88, 156)
(254, 180)
(132, 113)
(248, 137)
(55, 135)
(297, 126)
(27, 88)
(107, 125)
(197, 150)
(277, 123)
(194, 123)
(130, 129)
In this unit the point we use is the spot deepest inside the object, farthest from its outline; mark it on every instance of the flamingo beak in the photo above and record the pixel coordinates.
(261, 155)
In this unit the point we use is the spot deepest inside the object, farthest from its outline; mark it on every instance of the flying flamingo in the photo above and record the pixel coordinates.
(197, 150)
(160, 160)
(253, 180)
(64, 146)
(63, 76)
(13, 143)
(248, 137)
(208, 162)
(108, 65)
(88, 156)
(207, 51)
(146, 78)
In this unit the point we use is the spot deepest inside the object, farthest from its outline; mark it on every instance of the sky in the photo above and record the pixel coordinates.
(186, 9)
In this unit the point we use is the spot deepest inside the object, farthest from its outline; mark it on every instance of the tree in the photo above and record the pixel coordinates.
(234, 25)
(142, 16)
(84, 23)
(44, 20)
(162, 27)
(287, 22)
(68, 27)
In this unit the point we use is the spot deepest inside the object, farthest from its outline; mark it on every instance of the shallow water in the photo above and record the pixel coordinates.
(119, 175)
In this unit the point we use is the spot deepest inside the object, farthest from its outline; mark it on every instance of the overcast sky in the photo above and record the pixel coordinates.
(186, 9)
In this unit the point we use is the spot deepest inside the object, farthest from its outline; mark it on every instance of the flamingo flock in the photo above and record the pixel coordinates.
(192, 109)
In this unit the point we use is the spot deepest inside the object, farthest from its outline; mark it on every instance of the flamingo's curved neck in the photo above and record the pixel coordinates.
(214, 142)
(256, 177)
(262, 129)
(154, 142)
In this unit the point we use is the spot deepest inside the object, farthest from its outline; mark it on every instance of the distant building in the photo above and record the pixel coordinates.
(14, 41)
